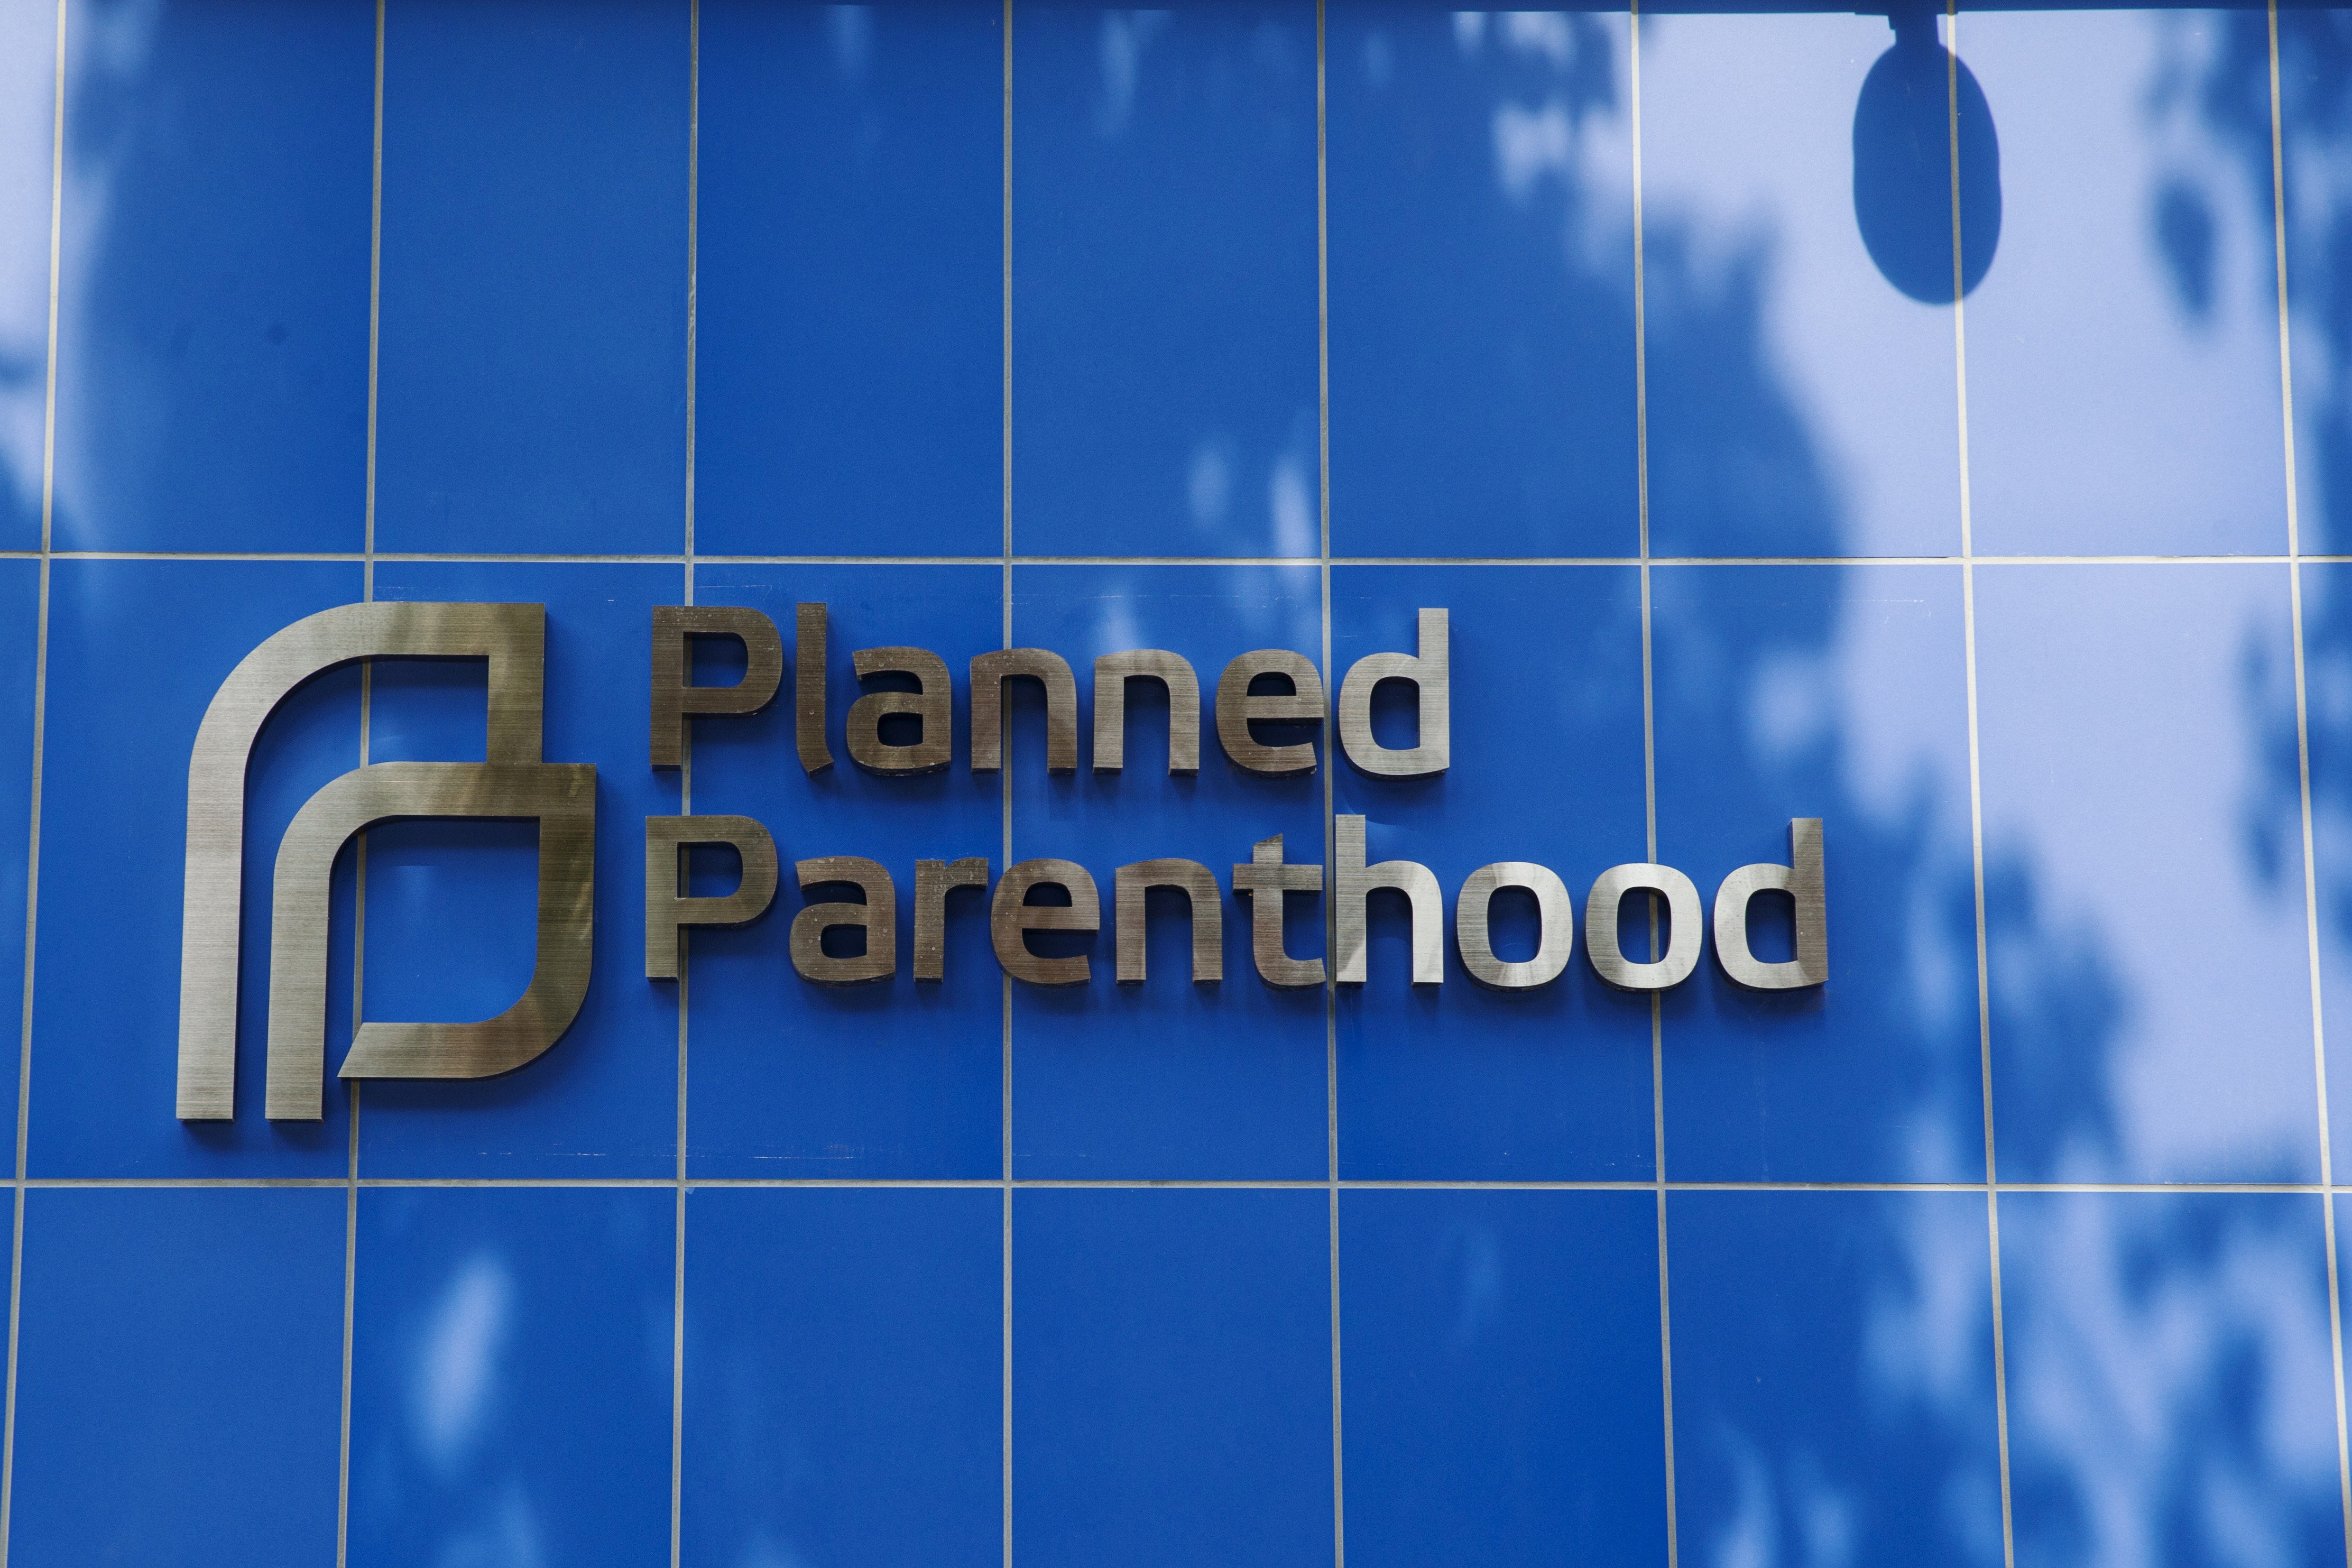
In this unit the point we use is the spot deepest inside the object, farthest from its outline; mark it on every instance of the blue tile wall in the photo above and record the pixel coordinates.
(1795, 419)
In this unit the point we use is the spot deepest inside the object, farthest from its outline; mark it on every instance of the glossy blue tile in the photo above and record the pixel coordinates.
(1833, 1377)
(849, 279)
(510, 1376)
(1502, 1377)
(2170, 1393)
(896, 1080)
(1164, 289)
(1171, 1396)
(179, 1377)
(28, 82)
(2123, 353)
(843, 1376)
(212, 283)
(1837, 692)
(1455, 1082)
(136, 650)
(452, 906)
(20, 597)
(2327, 654)
(1169, 1078)
(533, 382)
(2315, 47)
(1802, 400)
(2151, 993)
(1481, 199)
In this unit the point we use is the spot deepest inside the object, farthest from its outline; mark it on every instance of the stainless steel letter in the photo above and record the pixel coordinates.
(989, 671)
(808, 688)
(1356, 880)
(511, 637)
(1236, 710)
(878, 916)
(674, 695)
(1430, 673)
(563, 796)
(934, 880)
(1600, 935)
(1208, 919)
(668, 911)
(1265, 878)
(1558, 925)
(1112, 672)
(1803, 882)
(1009, 915)
(929, 705)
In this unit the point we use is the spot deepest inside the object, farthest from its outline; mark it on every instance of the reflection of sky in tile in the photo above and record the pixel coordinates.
(451, 925)
(1168, 1078)
(1173, 1402)
(894, 1079)
(1478, 1325)
(28, 80)
(1163, 280)
(850, 326)
(843, 1377)
(1799, 403)
(213, 299)
(1833, 1378)
(2144, 885)
(2123, 350)
(1480, 193)
(1835, 692)
(180, 1383)
(2171, 1397)
(534, 290)
(511, 1377)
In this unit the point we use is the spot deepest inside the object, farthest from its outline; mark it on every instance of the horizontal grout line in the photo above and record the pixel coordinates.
(668, 1183)
(425, 558)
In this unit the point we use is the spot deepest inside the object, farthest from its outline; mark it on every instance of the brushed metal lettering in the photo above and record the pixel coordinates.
(877, 917)
(1803, 881)
(1112, 672)
(1237, 710)
(1556, 923)
(1265, 878)
(1431, 672)
(668, 911)
(562, 796)
(1010, 915)
(510, 638)
(1207, 917)
(934, 880)
(1601, 938)
(931, 706)
(808, 688)
(1357, 881)
(675, 697)
(989, 671)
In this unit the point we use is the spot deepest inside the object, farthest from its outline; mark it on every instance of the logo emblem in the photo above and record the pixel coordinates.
(512, 784)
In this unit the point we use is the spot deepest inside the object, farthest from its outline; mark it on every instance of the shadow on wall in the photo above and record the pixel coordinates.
(1903, 166)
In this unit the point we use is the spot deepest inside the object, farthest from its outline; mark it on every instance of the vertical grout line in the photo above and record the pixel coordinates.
(41, 730)
(1004, 786)
(2302, 772)
(359, 849)
(1976, 782)
(1330, 763)
(1649, 786)
(685, 785)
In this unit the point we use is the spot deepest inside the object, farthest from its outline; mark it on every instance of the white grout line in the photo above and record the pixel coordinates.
(1649, 788)
(685, 787)
(1299, 562)
(1976, 793)
(41, 730)
(695, 1183)
(1005, 784)
(2302, 777)
(1330, 769)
